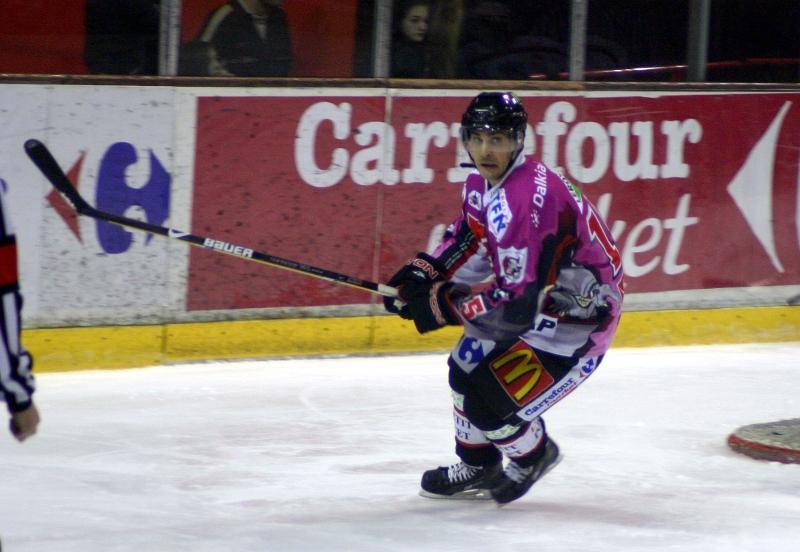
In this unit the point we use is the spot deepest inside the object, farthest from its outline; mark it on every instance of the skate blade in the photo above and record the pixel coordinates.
(472, 494)
(545, 472)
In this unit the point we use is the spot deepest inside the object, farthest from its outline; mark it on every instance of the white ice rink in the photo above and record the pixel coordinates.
(326, 455)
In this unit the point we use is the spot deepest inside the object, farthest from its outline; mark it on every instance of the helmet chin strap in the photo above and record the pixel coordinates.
(513, 160)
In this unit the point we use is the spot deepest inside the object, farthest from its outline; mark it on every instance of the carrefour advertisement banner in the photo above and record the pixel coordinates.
(115, 145)
(699, 190)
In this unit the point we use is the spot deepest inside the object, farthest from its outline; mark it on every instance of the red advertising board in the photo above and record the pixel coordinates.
(700, 190)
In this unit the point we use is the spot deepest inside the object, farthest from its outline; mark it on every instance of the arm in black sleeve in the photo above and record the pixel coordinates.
(16, 378)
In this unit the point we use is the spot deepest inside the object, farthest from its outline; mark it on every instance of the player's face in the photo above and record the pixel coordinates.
(492, 152)
(415, 23)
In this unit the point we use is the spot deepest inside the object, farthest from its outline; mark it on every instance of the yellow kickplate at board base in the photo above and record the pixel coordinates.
(64, 349)
(61, 349)
(706, 326)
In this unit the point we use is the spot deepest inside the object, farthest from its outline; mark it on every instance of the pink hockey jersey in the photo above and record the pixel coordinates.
(546, 266)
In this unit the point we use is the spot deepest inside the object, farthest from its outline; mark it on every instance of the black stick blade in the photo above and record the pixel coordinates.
(46, 163)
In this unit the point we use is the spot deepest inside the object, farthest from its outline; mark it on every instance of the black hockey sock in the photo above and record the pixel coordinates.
(478, 456)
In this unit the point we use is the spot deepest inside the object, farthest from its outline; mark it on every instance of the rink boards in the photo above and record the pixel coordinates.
(700, 189)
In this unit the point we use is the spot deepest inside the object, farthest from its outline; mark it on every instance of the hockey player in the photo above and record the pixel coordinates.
(534, 276)
(16, 379)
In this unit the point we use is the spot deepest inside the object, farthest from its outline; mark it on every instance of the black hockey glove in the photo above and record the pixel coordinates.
(422, 269)
(432, 305)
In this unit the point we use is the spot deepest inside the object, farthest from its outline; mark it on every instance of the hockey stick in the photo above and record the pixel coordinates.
(44, 160)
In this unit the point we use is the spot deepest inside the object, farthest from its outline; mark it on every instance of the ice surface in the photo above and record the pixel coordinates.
(326, 455)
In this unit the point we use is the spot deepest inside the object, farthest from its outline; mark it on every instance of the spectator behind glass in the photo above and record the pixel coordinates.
(512, 40)
(200, 59)
(122, 37)
(409, 40)
(251, 37)
(494, 48)
(444, 38)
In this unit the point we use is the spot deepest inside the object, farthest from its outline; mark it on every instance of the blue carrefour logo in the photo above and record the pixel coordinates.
(470, 350)
(115, 195)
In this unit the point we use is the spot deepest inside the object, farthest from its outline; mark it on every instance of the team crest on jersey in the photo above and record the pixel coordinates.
(474, 200)
(498, 214)
(513, 262)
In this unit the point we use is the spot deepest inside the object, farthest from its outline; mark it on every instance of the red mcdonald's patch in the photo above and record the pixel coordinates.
(521, 374)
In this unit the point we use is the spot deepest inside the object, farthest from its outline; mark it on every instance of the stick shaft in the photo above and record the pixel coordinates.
(46, 163)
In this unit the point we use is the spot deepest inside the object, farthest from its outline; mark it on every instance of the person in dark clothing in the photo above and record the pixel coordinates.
(200, 59)
(17, 384)
(122, 37)
(251, 38)
(502, 41)
(409, 40)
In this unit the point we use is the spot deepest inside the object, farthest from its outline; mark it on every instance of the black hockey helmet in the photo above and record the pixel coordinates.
(495, 112)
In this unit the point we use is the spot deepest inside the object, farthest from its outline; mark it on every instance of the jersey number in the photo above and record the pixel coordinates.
(598, 232)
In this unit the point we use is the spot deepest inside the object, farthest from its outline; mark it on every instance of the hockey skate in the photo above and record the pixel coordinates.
(460, 481)
(516, 480)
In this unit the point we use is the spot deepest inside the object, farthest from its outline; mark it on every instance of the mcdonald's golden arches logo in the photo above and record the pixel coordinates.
(521, 374)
